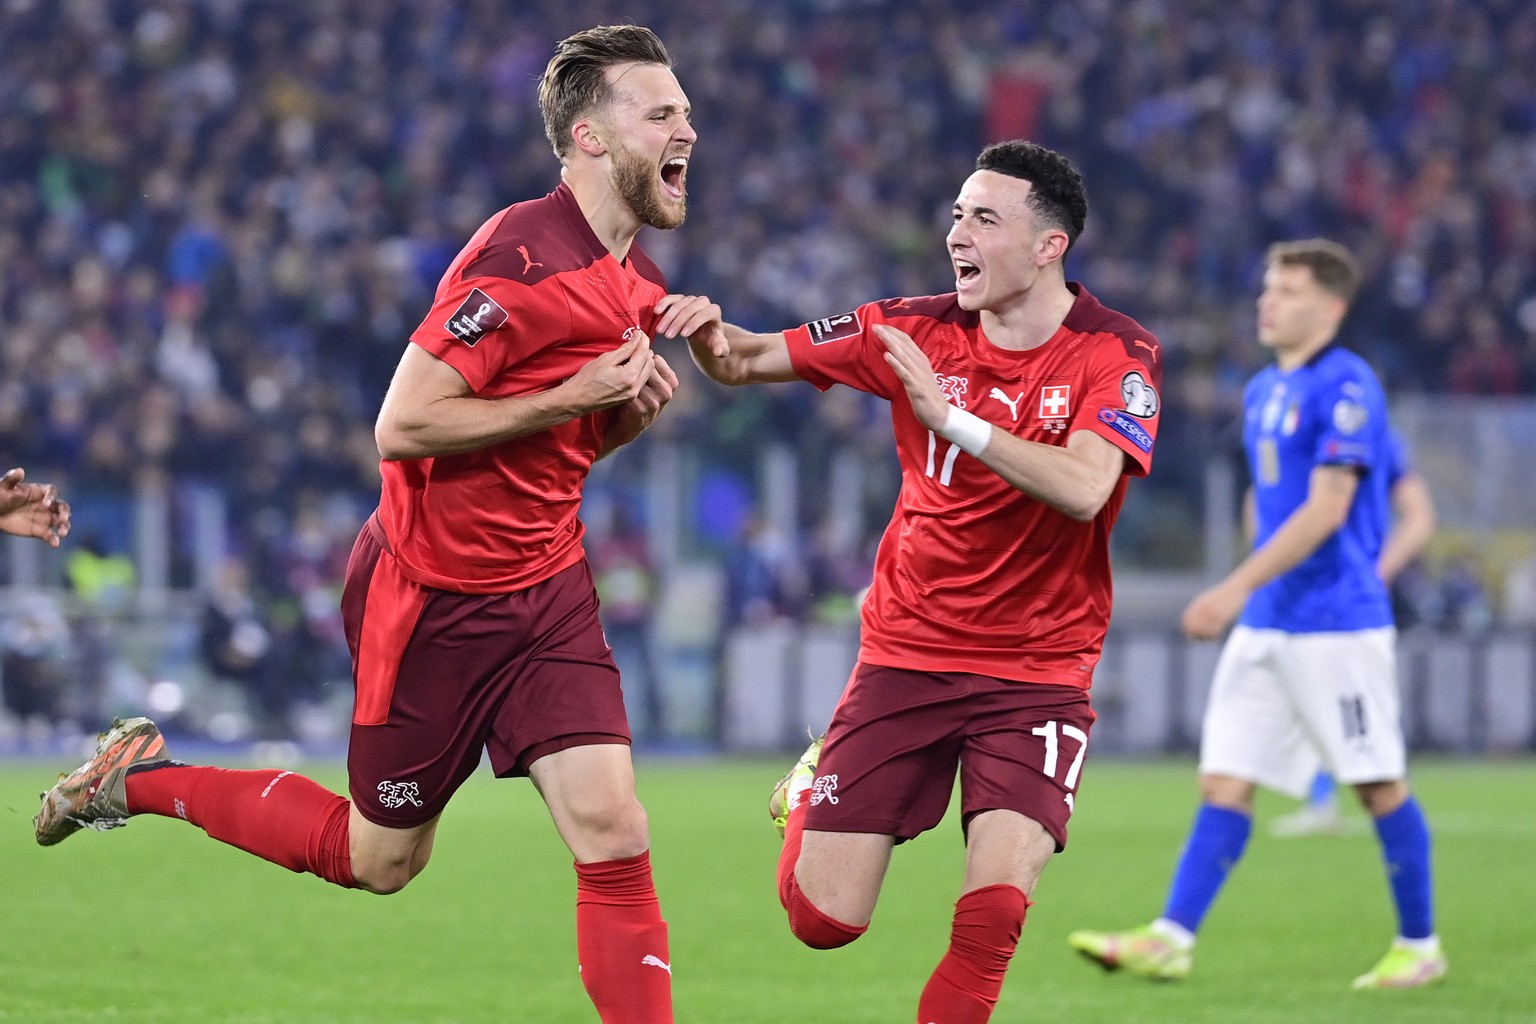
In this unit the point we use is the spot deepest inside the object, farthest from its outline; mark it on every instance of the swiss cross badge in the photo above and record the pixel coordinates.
(1055, 401)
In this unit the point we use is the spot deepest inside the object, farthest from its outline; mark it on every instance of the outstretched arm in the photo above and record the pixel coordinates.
(724, 352)
(32, 510)
(1076, 480)
(1330, 492)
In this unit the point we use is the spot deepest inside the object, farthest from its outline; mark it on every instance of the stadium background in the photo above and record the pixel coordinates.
(220, 219)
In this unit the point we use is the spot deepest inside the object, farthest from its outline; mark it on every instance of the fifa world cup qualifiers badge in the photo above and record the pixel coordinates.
(835, 328)
(478, 316)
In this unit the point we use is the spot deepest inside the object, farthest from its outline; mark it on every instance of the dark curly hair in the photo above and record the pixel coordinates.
(1056, 195)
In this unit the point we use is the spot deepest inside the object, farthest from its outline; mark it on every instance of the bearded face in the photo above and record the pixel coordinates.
(645, 189)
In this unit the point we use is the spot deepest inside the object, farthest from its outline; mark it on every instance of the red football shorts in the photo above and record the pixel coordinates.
(888, 766)
(441, 677)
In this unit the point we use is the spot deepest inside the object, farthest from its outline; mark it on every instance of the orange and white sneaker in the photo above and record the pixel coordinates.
(94, 795)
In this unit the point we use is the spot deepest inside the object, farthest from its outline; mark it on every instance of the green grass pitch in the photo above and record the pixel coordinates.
(156, 923)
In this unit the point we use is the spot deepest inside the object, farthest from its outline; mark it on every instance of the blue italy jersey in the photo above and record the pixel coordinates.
(1329, 412)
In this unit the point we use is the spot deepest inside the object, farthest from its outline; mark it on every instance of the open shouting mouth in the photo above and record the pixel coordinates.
(674, 176)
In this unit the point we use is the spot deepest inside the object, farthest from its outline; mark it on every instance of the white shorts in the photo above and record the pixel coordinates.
(1284, 704)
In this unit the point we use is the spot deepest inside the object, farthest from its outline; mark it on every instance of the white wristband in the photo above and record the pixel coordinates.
(970, 432)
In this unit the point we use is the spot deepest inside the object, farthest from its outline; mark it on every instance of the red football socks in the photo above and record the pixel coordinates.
(789, 856)
(277, 815)
(965, 987)
(621, 942)
(808, 923)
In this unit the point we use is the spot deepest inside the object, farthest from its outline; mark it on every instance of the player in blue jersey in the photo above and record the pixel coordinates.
(1413, 523)
(1307, 677)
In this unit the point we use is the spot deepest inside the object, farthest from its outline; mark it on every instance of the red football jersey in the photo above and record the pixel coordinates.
(530, 299)
(972, 575)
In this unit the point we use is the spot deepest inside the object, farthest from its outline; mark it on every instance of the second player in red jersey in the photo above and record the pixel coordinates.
(1020, 406)
(952, 553)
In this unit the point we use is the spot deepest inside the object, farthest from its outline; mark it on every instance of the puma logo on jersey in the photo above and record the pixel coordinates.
(1011, 403)
(651, 960)
(528, 261)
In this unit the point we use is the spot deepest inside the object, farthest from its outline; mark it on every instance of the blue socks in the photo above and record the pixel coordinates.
(1218, 837)
(1215, 845)
(1404, 838)
(1323, 790)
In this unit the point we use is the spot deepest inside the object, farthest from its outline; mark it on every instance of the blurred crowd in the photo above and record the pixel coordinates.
(220, 219)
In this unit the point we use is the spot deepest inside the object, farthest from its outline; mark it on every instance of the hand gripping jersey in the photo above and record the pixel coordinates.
(972, 575)
(1328, 412)
(530, 299)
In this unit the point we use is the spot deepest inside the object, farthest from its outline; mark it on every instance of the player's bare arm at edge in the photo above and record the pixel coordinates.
(726, 353)
(430, 411)
(1413, 514)
(1076, 479)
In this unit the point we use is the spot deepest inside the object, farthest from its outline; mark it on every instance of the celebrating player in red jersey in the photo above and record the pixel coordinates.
(1020, 406)
(469, 606)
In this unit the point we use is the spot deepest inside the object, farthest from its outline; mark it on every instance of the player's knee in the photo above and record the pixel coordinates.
(818, 939)
(613, 830)
(818, 931)
(1228, 792)
(385, 876)
(812, 925)
(1382, 798)
(384, 884)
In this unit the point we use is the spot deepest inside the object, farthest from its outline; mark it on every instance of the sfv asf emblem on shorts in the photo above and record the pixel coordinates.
(398, 794)
(824, 789)
(478, 316)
